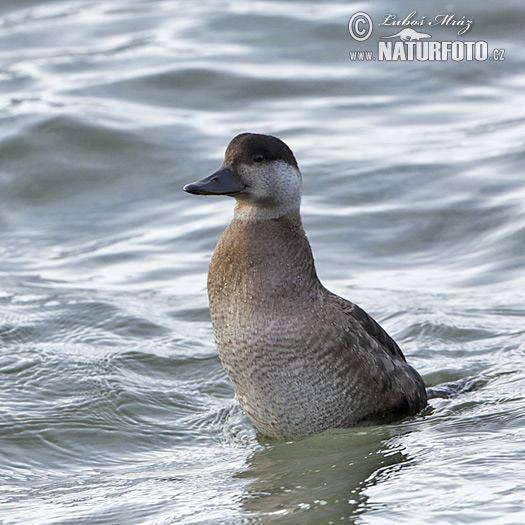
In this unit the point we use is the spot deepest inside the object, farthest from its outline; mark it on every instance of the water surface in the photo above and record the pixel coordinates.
(114, 405)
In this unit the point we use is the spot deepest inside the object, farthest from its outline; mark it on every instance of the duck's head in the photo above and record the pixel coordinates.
(260, 171)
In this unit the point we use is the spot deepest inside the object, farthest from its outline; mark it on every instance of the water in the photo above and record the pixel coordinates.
(114, 406)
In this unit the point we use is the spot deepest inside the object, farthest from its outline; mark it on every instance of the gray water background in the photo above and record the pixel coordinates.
(114, 406)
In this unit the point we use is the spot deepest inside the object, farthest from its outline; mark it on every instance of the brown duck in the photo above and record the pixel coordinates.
(301, 359)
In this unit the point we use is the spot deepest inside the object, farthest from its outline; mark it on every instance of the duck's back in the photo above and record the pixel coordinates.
(301, 359)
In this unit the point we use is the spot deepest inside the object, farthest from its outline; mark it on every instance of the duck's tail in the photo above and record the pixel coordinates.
(452, 388)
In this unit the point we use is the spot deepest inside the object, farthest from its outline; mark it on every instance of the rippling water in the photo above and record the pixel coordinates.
(114, 405)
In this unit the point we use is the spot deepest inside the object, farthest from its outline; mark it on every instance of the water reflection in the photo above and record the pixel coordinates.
(322, 477)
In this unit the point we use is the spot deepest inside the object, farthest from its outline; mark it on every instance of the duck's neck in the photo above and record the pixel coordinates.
(267, 259)
(249, 212)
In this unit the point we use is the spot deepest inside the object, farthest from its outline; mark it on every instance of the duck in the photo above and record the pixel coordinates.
(301, 359)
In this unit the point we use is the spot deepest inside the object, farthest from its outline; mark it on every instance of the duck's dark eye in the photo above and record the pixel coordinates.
(258, 158)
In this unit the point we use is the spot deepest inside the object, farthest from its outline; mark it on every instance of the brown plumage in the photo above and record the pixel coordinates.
(301, 359)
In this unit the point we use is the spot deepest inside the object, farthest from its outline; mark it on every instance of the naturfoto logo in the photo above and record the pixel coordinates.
(411, 44)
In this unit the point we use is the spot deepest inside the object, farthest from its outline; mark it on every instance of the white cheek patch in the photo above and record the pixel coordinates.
(287, 187)
(274, 189)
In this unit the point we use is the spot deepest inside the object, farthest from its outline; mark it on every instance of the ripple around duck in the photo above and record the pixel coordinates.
(116, 382)
(87, 411)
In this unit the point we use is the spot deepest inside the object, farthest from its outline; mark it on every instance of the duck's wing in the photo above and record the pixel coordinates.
(372, 328)
(388, 388)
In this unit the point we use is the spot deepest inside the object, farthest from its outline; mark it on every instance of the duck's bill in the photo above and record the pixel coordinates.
(222, 182)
